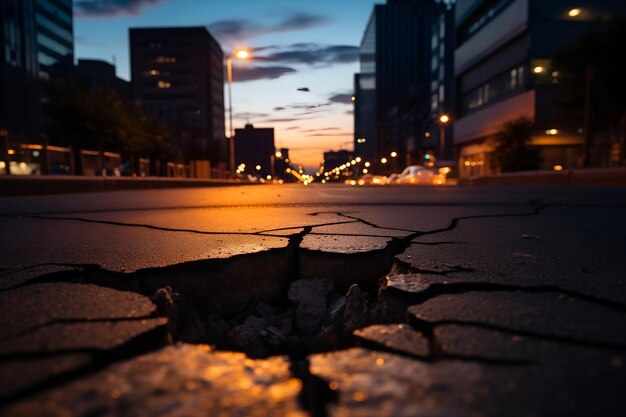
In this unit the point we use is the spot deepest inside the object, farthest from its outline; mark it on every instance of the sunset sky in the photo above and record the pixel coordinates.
(296, 44)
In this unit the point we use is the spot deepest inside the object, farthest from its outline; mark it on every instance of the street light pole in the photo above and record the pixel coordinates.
(239, 54)
(231, 139)
(443, 121)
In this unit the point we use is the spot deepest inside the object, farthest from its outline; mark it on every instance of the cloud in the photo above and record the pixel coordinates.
(249, 115)
(251, 73)
(332, 134)
(318, 130)
(283, 120)
(108, 8)
(341, 98)
(293, 128)
(241, 29)
(313, 54)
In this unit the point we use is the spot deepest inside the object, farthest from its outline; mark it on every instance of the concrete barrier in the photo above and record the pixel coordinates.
(589, 177)
(32, 185)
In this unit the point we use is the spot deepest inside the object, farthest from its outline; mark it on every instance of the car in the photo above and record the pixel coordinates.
(418, 174)
(369, 179)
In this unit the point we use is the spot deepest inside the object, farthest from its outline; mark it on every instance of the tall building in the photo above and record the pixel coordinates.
(435, 144)
(254, 147)
(504, 69)
(392, 90)
(92, 74)
(35, 35)
(178, 75)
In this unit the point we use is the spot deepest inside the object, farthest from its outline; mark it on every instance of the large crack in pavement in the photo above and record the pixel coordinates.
(296, 301)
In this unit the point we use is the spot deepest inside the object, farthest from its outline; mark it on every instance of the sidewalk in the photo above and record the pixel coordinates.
(15, 185)
(589, 177)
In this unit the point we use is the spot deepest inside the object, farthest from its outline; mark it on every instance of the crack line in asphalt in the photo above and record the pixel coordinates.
(262, 233)
(435, 356)
(300, 205)
(76, 321)
(423, 324)
(394, 247)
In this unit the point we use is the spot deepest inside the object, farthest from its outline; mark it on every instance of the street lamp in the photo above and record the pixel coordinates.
(241, 54)
(444, 119)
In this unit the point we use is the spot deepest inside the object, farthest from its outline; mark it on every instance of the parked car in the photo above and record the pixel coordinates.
(418, 174)
(369, 179)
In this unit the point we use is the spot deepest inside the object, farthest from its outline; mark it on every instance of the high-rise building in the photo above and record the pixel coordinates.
(92, 74)
(392, 90)
(435, 144)
(505, 69)
(35, 35)
(178, 75)
(254, 148)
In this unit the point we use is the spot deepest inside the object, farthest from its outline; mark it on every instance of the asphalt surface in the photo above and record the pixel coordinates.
(360, 301)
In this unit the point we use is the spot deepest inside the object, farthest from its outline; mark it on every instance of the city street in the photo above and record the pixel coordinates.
(318, 300)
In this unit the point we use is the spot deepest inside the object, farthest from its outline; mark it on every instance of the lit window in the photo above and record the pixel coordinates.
(573, 12)
(164, 84)
(513, 78)
(166, 59)
(154, 72)
(538, 70)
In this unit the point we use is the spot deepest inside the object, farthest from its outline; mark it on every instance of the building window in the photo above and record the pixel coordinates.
(164, 84)
(165, 59)
(485, 14)
(499, 87)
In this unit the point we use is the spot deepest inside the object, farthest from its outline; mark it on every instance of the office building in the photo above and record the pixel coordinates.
(178, 75)
(36, 35)
(504, 69)
(254, 149)
(434, 145)
(92, 74)
(392, 90)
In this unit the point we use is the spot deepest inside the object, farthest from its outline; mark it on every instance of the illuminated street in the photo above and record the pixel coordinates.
(404, 301)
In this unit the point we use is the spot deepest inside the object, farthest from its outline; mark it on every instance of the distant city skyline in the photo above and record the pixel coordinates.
(304, 56)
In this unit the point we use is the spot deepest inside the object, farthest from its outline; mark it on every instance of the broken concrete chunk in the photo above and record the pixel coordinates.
(356, 313)
(183, 380)
(35, 305)
(412, 283)
(309, 298)
(398, 337)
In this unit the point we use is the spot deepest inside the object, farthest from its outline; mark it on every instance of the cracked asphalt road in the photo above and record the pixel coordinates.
(473, 301)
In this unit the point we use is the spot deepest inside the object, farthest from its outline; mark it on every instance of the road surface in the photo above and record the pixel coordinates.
(319, 300)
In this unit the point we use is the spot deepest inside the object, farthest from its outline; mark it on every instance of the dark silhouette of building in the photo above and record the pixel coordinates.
(35, 36)
(254, 148)
(92, 74)
(392, 90)
(178, 75)
(439, 136)
(504, 70)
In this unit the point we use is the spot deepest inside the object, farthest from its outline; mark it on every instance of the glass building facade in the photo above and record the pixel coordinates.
(35, 35)
(392, 90)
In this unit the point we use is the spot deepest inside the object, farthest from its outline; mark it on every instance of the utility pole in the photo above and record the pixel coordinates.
(588, 118)
(4, 148)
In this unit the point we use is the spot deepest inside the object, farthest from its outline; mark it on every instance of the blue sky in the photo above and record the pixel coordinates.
(298, 43)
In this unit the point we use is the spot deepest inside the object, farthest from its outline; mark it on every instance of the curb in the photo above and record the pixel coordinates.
(590, 177)
(39, 185)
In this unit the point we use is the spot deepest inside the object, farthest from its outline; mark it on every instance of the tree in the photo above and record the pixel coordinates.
(595, 66)
(102, 120)
(511, 147)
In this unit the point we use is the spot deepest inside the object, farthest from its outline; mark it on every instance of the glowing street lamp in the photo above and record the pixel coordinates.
(241, 54)
(444, 119)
